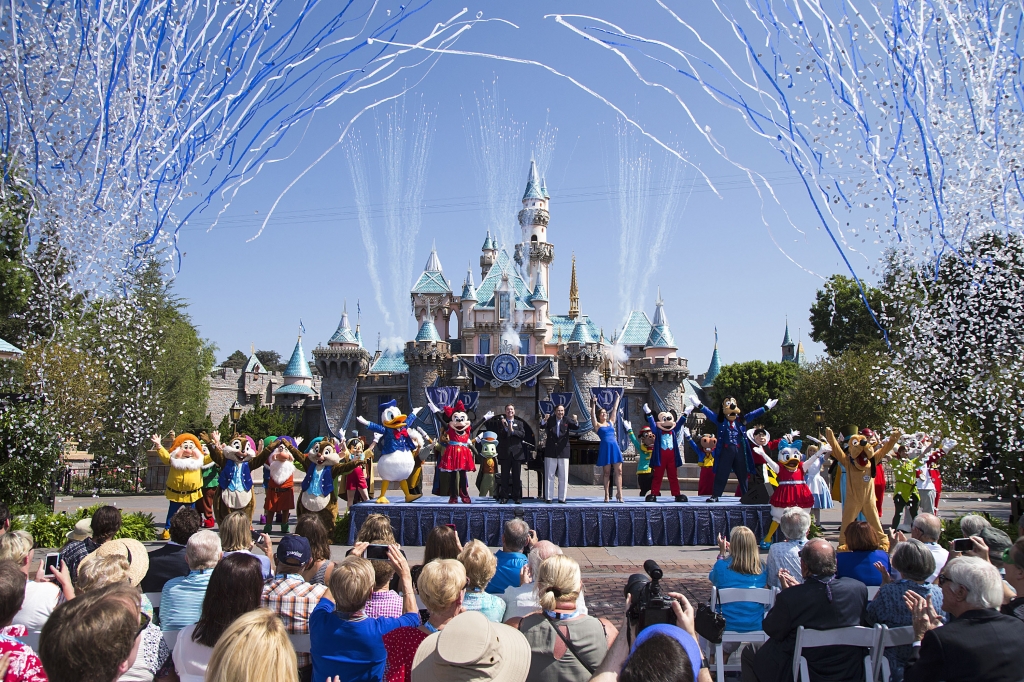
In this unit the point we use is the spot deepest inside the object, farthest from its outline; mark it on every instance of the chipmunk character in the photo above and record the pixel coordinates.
(236, 459)
(489, 464)
(323, 464)
(185, 478)
(280, 498)
(860, 490)
(396, 461)
(355, 483)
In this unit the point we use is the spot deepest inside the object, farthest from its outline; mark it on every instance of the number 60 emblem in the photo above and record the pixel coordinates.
(505, 367)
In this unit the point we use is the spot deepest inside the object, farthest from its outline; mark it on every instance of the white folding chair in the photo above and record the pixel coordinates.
(170, 637)
(894, 637)
(154, 598)
(849, 636)
(872, 591)
(300, 643)
(727, 595)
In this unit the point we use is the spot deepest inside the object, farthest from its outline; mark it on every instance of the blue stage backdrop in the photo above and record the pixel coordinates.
(584, 522)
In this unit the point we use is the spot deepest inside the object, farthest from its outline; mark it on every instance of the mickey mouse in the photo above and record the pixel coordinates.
(666, 456)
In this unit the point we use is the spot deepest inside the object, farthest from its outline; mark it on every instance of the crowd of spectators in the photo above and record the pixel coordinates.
(520, 614)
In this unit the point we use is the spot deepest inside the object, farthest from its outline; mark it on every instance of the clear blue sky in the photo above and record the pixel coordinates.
(719, 266)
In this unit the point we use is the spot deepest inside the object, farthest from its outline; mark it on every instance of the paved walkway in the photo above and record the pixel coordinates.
(605, 569)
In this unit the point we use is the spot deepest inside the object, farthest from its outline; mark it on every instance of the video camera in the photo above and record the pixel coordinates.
(648, 606)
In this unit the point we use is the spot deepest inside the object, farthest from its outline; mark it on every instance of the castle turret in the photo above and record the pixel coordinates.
(427, 357)
(341, 364)
(343, 336)
(298, 380)
(534, 251)
(468, 300)
(788, 347)
(714, 368)
(574, 293)
(661, 366)
(488, 255)
(432, 292)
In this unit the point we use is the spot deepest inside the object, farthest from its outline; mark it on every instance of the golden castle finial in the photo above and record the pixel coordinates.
(574, 293)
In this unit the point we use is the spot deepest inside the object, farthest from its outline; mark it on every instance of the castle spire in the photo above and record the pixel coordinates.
(574, 293)
(533, 184)
(715, 367)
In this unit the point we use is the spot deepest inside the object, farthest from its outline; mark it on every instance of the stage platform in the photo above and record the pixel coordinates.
(582, 522)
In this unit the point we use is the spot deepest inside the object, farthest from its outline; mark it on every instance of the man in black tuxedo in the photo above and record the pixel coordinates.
(169, 561)
(978, 643)
(556, 452)
(822, 602)
(515, 441)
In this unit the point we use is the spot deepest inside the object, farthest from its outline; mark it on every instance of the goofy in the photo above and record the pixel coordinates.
(732, 452)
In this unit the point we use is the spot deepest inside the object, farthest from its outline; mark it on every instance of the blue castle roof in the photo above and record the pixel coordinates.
(295, 389)
(297, 365)
(539, 292)
(715, 367)
(468, 290)
(787, 340)
(390, 362)
(254, 365)
(637, 329)
(533, 184)
(432, 280)
(661, 335)
(563, 326)
(580, 332)
(503, 267)
(428, 332)
(344, 333)
(489, 243)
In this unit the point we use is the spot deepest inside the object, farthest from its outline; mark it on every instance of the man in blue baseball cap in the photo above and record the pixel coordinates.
(289, 595)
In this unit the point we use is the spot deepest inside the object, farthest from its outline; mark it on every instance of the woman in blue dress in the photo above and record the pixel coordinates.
(609, 456)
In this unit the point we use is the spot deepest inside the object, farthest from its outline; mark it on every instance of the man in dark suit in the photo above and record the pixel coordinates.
(556, 452)
(169, 561)
(978, 643)
(822, 602)
(515, 441)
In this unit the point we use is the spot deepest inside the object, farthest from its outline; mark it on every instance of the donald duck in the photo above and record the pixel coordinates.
(397, 446)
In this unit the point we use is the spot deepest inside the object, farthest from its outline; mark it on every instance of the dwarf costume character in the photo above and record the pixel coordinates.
(666, 455)
(458, 456)
(904, 474)
(280, 499)
(705, 446)
(322, 463)
(396, 461)
(644, 447)
(793, 490)
(485, 479)
(860, 491)
(236, 459)
(185, 478)
(733, 450)
(211, 489)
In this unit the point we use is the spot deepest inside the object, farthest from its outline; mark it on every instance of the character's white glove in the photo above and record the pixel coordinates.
(416, 411)
(694, 400)
(647, 410)
(377, 437)
(433, 408)
(771, 403)
(488, 414)
(629, 427)
(298, 440)
(362, 421)
(687, 410)
(686, 432)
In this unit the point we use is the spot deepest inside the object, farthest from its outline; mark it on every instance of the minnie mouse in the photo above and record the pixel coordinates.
(458, 457)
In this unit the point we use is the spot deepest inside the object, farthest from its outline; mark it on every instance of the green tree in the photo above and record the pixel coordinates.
(30, 447)
(263, 421)
(848, 389)
(753, 384)
(271, 360)
(15, 278)
(841, 321)
(236, 360)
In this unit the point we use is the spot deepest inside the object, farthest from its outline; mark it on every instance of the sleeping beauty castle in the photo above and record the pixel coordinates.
(510, 347)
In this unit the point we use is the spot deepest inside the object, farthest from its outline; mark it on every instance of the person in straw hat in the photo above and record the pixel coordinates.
(472, 648)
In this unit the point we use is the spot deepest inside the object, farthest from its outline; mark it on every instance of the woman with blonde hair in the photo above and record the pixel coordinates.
(480, 567)
(442, 588)
(255, 648)
(376, 530)
(559, 584)
(739, 565)
(236, 536)
(41, 596)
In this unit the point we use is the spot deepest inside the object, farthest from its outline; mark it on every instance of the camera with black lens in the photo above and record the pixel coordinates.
(648, 606)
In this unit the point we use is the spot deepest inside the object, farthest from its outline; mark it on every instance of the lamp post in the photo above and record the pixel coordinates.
(236, 414)
(819, 417)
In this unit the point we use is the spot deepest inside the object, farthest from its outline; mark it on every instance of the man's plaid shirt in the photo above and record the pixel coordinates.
(293, 599)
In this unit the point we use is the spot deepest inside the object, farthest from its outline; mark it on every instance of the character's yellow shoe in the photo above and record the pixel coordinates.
(412, 498)
(166, 535)
(382, 500)
(409, 497)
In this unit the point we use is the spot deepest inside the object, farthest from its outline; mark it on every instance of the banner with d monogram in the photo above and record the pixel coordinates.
(470, 399)
(605, 397)
(546, 407)
(563, 399)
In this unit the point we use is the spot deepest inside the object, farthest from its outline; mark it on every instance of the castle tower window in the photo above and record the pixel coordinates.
(503, 305)
(524, 344)
(533, 238)
(484, 344)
